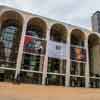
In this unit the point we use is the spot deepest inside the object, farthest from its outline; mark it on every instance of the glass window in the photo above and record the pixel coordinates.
(8, 36)
(31, 62)
(56, 65)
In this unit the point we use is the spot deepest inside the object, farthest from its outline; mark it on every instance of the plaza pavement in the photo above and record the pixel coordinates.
(10, 91)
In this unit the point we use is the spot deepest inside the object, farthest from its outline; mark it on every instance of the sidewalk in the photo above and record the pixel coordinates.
(10, 91)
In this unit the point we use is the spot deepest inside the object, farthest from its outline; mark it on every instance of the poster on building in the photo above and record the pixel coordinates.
(7, 43)
(78, 54)
(33, 45)
(57, 50)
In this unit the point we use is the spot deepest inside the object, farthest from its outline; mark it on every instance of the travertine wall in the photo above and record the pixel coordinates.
(96, 59)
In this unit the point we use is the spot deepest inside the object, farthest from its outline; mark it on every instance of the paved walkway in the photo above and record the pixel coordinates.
(10, 91)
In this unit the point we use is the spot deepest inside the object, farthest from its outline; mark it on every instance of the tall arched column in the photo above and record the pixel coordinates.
(67, 77)
(21, 46)
(87, 81)
(45, 66)
(0, 28)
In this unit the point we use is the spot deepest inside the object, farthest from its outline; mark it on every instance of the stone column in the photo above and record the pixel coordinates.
(21, 46)
(41, 63)
(67, 77)
(45, 65)
(87, 80)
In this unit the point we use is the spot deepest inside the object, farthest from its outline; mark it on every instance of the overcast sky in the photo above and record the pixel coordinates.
(76, 12)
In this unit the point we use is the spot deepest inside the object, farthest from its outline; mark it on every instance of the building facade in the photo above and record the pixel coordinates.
(43, 51)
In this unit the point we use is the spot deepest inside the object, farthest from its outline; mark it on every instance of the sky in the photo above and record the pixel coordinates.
(75, 12)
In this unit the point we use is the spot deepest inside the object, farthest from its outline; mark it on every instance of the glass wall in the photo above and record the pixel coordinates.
(77, 59)
(94, 62)
(11, 29)
(57, 55)
(34, 51)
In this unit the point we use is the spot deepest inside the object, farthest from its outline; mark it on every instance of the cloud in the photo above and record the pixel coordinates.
(77, 12)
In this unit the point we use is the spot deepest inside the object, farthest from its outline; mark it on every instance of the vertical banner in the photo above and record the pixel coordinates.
(57, 50)
(8, 34)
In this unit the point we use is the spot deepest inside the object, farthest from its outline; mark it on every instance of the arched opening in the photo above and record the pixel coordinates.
(78, 58)
(58, 33)
(35, 36)
(94, 59)
(57, 55)
(11, 29)
(77, 37)
(36, 27)
(34, 51)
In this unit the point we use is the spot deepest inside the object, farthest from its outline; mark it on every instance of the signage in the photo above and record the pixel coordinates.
(57, 50)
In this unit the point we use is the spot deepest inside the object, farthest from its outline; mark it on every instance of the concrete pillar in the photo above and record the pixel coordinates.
(41, 63)
(21, 46)
(87, 80)
(45, 65)
(1, 65)
(67, 77)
